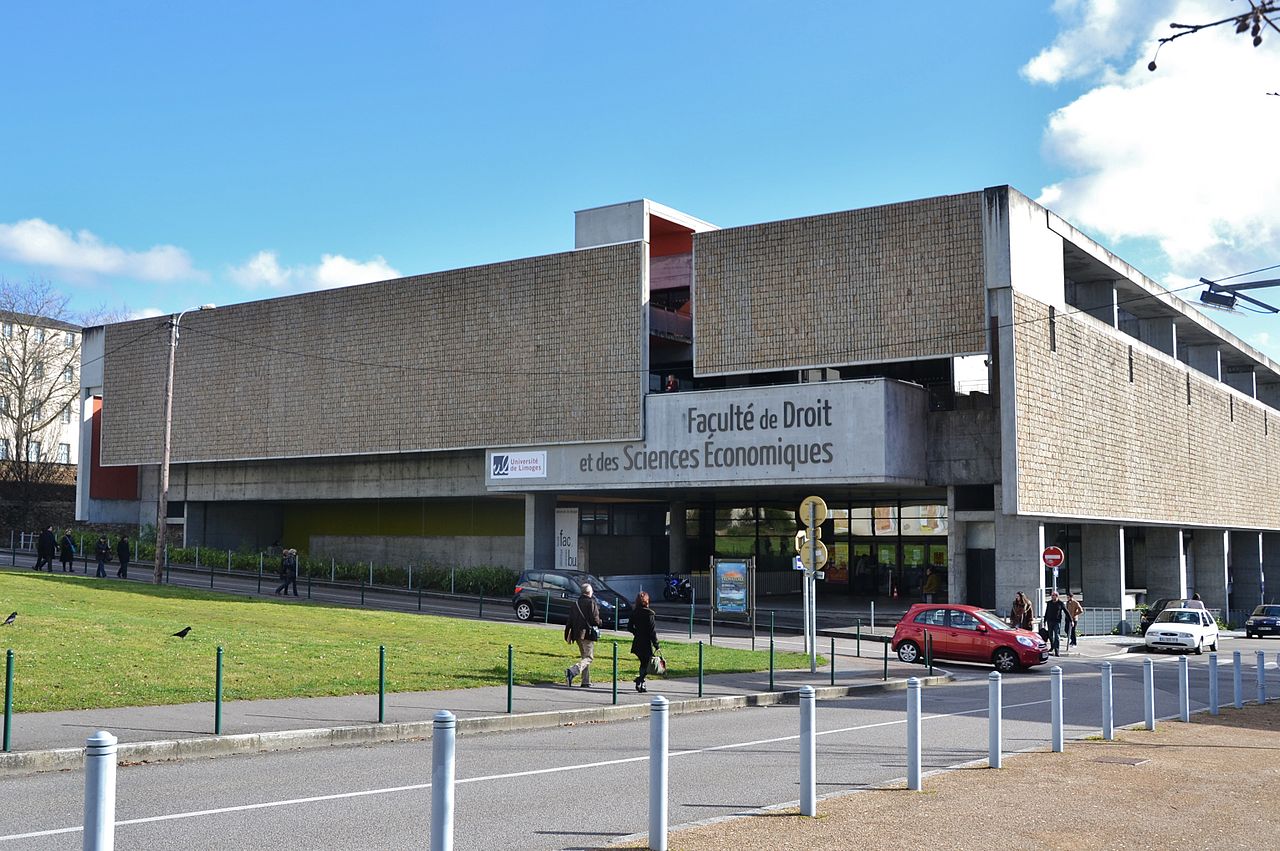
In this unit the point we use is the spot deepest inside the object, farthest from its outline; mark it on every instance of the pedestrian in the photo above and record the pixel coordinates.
(122, 553)
(932, 584)
(583, 627)
(1055, 617)
(67, 552)
(644, 627)
(1074, 611)
(1020, 614)
(672, 384)
(288, 573)
(45, 547)
(103, 552)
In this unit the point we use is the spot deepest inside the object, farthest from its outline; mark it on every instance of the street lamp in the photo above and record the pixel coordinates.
(1225, 295)
(162, 511)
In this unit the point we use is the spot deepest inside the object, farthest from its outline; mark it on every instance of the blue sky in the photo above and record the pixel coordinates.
(157, 156)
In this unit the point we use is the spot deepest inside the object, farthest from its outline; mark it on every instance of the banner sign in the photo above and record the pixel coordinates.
(566, 539)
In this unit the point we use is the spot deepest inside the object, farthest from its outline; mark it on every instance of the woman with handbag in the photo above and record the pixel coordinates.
(644, 627)
(583, 626)
(1020, 613)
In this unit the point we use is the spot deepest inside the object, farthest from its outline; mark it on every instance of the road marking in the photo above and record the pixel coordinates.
(508, 776)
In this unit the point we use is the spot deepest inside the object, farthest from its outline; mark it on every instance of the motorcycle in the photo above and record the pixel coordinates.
(677, 588)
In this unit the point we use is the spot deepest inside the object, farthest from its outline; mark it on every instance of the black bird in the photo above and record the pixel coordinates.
(13, 617)
(182, 633)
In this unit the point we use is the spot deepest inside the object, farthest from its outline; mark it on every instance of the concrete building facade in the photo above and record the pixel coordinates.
(963, 379)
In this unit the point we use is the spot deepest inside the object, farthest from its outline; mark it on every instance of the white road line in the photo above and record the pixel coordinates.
(509, 776)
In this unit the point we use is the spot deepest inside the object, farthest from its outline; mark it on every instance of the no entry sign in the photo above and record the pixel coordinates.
(1053, 556)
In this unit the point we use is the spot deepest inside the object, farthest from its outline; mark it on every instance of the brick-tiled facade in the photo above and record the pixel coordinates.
(541, 350)
(1092, 443)
(877, 284)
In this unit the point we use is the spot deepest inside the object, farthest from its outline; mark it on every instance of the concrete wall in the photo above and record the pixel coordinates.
(877, 284)
(442, 551)
(963, 446)
(505, 354)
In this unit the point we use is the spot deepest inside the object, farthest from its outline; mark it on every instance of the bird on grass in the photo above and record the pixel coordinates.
(9, 620)
(182, 633)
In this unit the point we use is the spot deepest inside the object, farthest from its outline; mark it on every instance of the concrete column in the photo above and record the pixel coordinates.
(1210, 551)
(1098, 299)
(1019, 543)
(539, 531)
(1244, 380)
(1102, 567)
(1160, 334)
(1206, 359)
(1166, 563)
(677, 540)
(1271, 566)
(957, 542)
(1246, 569)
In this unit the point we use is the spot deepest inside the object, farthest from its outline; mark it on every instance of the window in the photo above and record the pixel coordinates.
(37, 411)
(69, 374)
(69, 340)
(37, 369)
(964, 620)
(64, 453)
(33, 450)
(4, 449)
(4, 404)
(7, 364)
(932, 617)
(39, 335)
(6, 330)
(66, 415)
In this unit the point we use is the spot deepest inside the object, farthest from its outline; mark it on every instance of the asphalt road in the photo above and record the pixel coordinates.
(580, 787)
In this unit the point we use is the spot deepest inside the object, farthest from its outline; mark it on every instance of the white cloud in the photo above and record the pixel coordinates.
(334, 270)
(1262, 340)
(1102, 31)
(147, 313)
(39, 243)
(1177, 157)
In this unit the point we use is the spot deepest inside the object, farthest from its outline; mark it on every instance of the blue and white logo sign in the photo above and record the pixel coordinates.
(518, 465)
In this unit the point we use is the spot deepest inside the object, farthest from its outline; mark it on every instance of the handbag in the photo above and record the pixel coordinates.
(1044, 633)
(657, 665)
(593, 631)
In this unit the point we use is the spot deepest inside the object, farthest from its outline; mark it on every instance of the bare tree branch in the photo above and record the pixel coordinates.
(1261, 14)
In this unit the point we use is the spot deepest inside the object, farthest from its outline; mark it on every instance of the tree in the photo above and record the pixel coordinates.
(39, 386)
(1262, 14)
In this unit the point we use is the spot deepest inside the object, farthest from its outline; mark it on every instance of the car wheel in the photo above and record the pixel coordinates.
(524, 611)
(1005, 660)
(1200, 648)
(909, 652)
(1214, 645)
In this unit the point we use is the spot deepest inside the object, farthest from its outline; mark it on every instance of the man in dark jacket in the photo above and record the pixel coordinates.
(122, 553)
(45, 547)
(67, 552)
(1055, 615)
(583, 626)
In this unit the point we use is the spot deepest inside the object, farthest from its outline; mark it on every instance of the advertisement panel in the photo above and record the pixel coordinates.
(730, 579)
(566, 539)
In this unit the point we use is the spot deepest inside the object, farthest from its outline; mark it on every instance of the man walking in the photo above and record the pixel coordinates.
(1055, 616)
(583, 627)
(45, 547)
(122, 553)
(67, 552)
(1074, 611)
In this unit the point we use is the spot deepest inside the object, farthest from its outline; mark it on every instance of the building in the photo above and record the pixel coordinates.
(39, 430)
(964, 380)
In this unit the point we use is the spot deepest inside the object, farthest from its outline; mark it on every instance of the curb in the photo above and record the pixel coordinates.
(132, 753)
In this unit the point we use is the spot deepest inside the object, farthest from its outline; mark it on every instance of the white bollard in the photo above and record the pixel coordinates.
(1262, 678)
(913, 734)
(1237, 680)
(995, 708)
(658, 719)
(100, 792)
(1149, 693)
(1055, 706)
(808, 753)
(1184, 690)
(444, 729)
(1108, 718)
(1213, 684)
(873, 615)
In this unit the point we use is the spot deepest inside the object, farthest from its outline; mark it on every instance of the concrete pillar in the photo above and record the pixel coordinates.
(1210, 553)
(1166, 563)
(1206, 359)
(1271, 566)
(957, 543)
(677, 540)
(539, 531)
(1102, 567)
(1244, 380)
(1160, 334)
(1019, 543)
(1098, 299)
(1246, 569)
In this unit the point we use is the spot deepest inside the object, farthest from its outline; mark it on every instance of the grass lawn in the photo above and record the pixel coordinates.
(82, 643)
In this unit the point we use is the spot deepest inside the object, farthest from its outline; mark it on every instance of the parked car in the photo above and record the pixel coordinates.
(540, 593)
(967, 634)
(1153, 611)
(1265, 620)
(1183, 629)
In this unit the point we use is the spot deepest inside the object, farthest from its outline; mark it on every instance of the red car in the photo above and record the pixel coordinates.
(967, 634)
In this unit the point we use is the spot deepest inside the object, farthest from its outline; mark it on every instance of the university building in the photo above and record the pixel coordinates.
(964, 380)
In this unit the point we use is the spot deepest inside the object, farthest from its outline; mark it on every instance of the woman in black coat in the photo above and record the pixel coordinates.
(645, 629)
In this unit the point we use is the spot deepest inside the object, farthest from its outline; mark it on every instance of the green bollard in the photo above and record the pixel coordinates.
(217, 697)
(770, 663)
(259, 573)
(691, 621)
(382, 682)
(859, 644)
(511, 676)
(308, 585)
(615, 673)
(546, 609)
(833, 660)
(362, 590)
(928, 643)
(615, 615)
(699, 669)
(886, 660)
(419, 598)
(8, 697)
(481, 605)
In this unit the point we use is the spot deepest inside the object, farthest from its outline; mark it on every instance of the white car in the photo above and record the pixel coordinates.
(1183, 629)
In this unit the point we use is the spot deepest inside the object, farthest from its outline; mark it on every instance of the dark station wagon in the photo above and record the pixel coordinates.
(548, 594)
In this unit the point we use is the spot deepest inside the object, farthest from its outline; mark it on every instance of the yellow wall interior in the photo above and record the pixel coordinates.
(405, 518)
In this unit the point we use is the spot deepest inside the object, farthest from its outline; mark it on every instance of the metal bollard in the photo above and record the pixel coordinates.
(444, 730)
(995, 708)
(658, 719)
(808, 753)
(481, 615)
(1184, 690)
(8, 697)
(217, 695)
(1237, 680)
(615, 672)
(1108, 718)
(100, 792)
(546, 609)
(382, 682)
(1149, 693)
(771, 663)
(858, 640)
(913, 734)
(1262, 678)
(699, 669)
(511, 676)
(886, 661)
(1055, 707)
(1213, 684)
(833, 660)
(873, 616)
